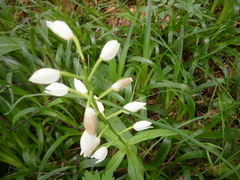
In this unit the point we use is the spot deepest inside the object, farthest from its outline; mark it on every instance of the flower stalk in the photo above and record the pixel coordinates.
(96, 65)
(67, 74)
(79, 48)
(105, 93)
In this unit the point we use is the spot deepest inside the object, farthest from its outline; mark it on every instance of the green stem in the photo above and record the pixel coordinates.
(101, 133)
(112, 129)
(89, 101)
(114, 114)
(79, 49)
(111, 143)
(105, 93)
(63, 73)
(127, 129)
(95, 68)
(78, 93)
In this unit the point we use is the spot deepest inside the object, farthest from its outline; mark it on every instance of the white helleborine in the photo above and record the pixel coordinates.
(101, 108)
(61, 29)
(56, 89)
(134, 106)
(88, 143)
(100, 154)
(121, 83)
(79, 86)
(110, 50)
(142, 125)
(45, 76)
(90, 121)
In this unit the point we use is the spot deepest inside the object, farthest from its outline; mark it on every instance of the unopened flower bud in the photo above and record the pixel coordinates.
(110, 50)
(121, 83)
(134, 106)
(100, 154)
(99, 104)
(79, 86)
(88, 143)
(90, 120)
(61, 29)
(56, 89)
(142, 125)
(45, 76)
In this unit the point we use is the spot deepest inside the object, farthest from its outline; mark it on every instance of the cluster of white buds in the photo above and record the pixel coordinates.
(89, 140)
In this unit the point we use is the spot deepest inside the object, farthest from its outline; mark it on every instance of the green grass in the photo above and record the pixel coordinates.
(184, 59)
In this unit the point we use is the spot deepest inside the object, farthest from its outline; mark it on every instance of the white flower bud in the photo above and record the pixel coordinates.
(100, 154)
(61, 29)
(134, 106)
(88, 143)
(90, 120)
(110, 50)
(45, 76)
(121, 83)
(80, 87)
(99, 104)
(56, 89)
(142, 125)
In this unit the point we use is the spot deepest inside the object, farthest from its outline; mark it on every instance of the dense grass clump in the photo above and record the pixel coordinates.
(184, 59)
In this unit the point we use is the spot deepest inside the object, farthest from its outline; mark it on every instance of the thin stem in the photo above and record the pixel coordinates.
(105, 93)
(112, 129)
(111, 143)
(101, 133)
(114, 114)
(95, 68)
(79, 49)
(78, 93)
(89, 101)
(127, 129)
(63, 73)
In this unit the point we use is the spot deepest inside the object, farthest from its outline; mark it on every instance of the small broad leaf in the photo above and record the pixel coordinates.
(89, 176)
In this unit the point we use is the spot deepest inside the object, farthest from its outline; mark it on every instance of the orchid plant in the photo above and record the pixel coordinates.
(94, 108)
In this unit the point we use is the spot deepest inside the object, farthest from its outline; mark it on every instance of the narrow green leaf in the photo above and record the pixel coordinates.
(29, 156)
(8, 44)
(162, 152)
(135, 167)
(53, 172)
(11, 158)
(151, 134)
(115, 161)
(52, 149)
(192, 155)
(24, 112)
